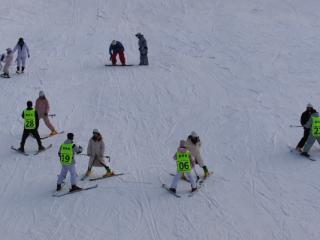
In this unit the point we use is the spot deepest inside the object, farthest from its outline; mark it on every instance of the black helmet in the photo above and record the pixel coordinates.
(70, 136)
(29, 104)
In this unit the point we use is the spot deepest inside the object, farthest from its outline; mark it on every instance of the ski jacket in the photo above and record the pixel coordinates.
(195, 151)
(76, 149)
(184, 150)
(36, 116)
(143, 47)
(309, 123)
(95, 151)
(116, 48)
(23, 52)
(42, 106)
(8, 59)
(305, 116)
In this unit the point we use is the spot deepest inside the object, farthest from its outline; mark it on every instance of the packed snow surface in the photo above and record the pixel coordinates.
(238, 72)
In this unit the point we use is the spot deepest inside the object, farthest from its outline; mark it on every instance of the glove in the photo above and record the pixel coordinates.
(79, 149)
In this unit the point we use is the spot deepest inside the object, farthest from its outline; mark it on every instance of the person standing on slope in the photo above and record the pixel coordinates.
(43, 108)
(116, 48)
(314, 125)
(95, 151)
(185, 162)
(23, 53)
(143, 48)
(8, 59)
(305, 116)
(66, 154)
(31, 124)
(193, 144)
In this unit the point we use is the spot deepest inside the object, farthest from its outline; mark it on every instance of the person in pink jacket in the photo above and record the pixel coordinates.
(8, 59)
(43, 108)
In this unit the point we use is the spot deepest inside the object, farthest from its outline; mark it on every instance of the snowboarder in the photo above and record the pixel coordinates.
(116, 48)
(23, 53)
(193, 144)
(143, 48)
(95, 151)
(43, 108)
(66, 155)
(8, 59)
(305, 116)
(314, 125)
(185, 162)
(31, 124)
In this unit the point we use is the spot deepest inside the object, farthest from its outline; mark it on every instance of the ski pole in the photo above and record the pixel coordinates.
(292, 126)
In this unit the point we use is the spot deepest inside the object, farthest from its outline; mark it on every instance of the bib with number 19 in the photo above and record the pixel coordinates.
(183, 162)
(315, 127)
(66, 154)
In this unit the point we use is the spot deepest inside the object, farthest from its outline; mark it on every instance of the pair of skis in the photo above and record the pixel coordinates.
(27, 154)
(294, 150)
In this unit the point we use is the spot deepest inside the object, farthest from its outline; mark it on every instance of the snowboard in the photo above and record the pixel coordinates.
(45, 137)
(118, 65)
(63, 193)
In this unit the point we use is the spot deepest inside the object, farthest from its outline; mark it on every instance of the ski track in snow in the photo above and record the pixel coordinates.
(237, 73)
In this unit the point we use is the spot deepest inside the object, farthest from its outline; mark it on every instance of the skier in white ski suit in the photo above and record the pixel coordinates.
(23, 53)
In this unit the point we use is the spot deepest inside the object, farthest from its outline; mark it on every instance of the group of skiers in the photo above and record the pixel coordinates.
(187, 156)
(310, 121)
(67, 150)
(116, 48)
(8, 57)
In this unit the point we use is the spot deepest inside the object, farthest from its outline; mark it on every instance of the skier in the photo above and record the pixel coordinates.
(143, 48)
(31, 124)
(185, 162)
(116, 48)
(305, 116)
(95, 151)
(193, 144)
(66, 155)
(43, 107)
(8, 59)
(2, 56)
(23, 53)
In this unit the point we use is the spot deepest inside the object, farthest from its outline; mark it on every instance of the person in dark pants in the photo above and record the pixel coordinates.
(31, 124)
(305, 116)
(143, 49)
(116, 48)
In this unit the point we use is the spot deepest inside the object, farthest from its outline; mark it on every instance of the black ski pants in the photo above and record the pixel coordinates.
(25, 135)
(304, 138)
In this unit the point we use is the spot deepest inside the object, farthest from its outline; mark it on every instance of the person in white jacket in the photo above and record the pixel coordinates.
(23, 53)
(8, 59)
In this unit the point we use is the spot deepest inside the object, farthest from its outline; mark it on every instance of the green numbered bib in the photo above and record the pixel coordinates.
(29, 119)
(66, 154)
(183, 162)
(315, 127)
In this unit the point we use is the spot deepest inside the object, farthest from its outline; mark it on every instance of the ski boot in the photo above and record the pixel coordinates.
(206, 172)
(22, 70)
(172, 190)
(88, 173)
(41, 148)
(74, 188)
(58, 187)
(108, 174)
(305, 154)
(18, 70)
(193, 189)
(298, 149)
(21, 149)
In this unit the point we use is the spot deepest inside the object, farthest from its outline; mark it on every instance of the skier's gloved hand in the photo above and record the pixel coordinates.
(79, 149)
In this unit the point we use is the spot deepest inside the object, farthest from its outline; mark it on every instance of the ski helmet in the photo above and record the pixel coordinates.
(41, 94)
(70, 136)
(309, 105)
(114, 42)
(194, 134)
(95, 131)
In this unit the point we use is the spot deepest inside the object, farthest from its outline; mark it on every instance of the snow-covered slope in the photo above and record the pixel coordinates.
(237, 72)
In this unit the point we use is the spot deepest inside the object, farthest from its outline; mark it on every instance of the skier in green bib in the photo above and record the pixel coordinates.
(31, 124)
(314, 125)
(66, 153)
(185, 162)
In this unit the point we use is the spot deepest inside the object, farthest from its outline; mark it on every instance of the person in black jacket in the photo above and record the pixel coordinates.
(305, 116)
(116, 48)
(143, 48)
(31, 124)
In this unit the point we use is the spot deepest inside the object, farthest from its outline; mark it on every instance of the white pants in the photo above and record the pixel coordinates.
(177, 177)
